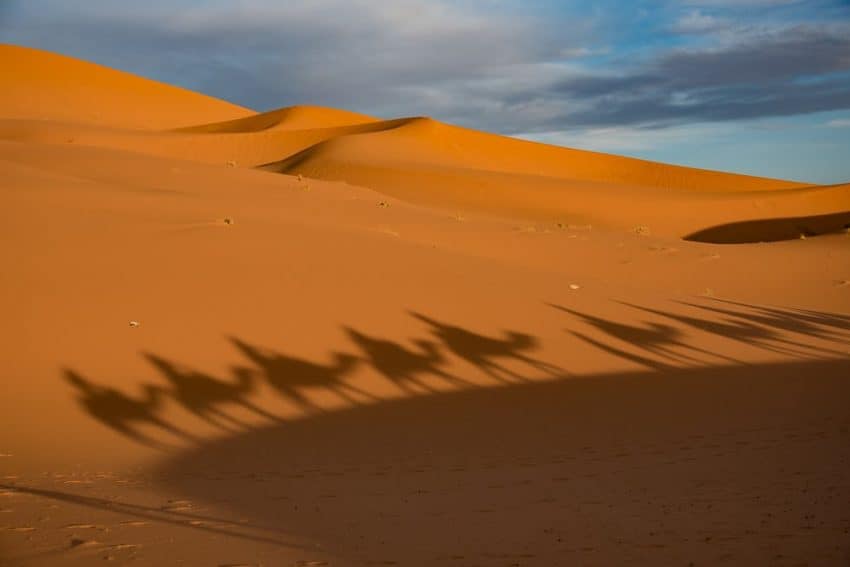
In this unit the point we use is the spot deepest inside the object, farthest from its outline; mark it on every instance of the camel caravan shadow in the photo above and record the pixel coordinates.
(662, 345)
(212, 399)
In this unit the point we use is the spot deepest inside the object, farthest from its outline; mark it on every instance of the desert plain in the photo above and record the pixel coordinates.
(315, 337)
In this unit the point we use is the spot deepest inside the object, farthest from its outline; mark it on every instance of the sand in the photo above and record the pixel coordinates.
(314, 337)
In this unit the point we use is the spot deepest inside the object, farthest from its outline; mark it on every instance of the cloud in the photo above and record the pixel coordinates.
(741, 3)
(800, 70)
(697, 22)
(624, 139)
(265, 53)
(839, 123)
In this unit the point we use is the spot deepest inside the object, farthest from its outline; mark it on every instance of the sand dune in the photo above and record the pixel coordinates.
(46, 86)
(419, 160)
(313, 337)
(405, 159)
(292, 118)
(424, 140)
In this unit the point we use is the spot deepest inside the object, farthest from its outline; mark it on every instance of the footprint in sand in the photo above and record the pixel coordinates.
(131, 547)
(177, 506)
(80, 527)
(133, 523)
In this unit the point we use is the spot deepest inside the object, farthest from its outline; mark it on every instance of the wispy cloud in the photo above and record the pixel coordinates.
(697, 22)
(802, 70)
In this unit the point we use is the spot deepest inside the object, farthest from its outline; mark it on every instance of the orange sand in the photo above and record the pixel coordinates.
(402, 342)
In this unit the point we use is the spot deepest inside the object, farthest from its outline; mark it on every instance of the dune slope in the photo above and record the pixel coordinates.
(40, 85)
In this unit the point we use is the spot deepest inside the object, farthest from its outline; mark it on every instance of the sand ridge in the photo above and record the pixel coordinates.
(41, 85)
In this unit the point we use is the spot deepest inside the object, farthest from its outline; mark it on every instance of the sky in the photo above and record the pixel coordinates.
(753, 86)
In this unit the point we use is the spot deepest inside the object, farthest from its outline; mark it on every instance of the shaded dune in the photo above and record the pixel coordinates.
(558, 455)
(773, 230)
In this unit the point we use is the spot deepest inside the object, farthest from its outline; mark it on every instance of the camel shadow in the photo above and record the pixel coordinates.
(483, 351)
(773, 321)
(229, 404)
(657, 339)
(288, 375)
(205, 396)
(401, 365)
(742, 328)
(123, 413)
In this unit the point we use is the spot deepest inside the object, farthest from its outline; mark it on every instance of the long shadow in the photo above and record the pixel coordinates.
(484, 352)
(664, 341)
(657, 346)
(841, 322)
(626, 355)
(206, 396)
(765, 336)
(401, 365)
(534, 467)
(123, 413)
(825, 326)
(289, 375)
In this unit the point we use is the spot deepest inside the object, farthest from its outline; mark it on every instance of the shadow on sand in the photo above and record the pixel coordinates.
(662, 344)
(121, 412)
(413, 370)
(773, 230)
(697, 457)
(693, 463)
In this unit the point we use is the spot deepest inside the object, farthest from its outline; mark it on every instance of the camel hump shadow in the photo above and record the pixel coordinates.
(123, 413)
(402, 365)
(289, 375)
(206, 396)
(483, 351)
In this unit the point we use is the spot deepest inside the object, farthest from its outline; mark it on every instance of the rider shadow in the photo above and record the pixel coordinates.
(483, 351)
(401, 365)
(657, 339)
(204, 396)
(123, 413)
(763, 326)
(289, 375)
(636, 358)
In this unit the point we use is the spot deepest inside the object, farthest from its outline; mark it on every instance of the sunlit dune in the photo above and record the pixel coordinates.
(419, 160)
(40, 85)
(292, 118)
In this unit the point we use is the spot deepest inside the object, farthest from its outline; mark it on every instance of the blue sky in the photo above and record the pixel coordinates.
(754, 86)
